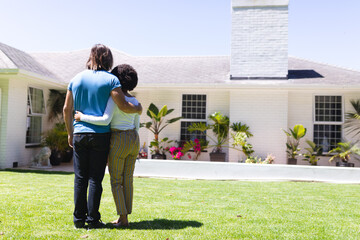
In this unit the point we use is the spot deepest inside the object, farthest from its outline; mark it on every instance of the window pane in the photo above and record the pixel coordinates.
(193, 106)
(37, 101)
(328, 109)
(186, 135)
(33, 130)
(327, 136)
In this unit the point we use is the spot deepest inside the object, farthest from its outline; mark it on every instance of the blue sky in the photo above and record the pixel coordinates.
(326, 31)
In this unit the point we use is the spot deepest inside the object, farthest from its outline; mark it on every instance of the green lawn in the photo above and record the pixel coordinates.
(38, 205)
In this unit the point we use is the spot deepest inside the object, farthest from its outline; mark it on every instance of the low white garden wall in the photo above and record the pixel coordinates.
(244, 171)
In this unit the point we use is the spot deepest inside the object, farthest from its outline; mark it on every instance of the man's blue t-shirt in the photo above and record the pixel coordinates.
(91, 91)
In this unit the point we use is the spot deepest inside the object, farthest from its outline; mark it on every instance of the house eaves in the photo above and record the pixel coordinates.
(265, 84)
(9, 71)
(42, 79)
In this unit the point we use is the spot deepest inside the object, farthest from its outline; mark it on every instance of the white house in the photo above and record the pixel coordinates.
(259, 85)
(24, 85)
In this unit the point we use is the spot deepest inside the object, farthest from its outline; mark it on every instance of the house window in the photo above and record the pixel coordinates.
(328, 121)
(35, 112)
(193, 111)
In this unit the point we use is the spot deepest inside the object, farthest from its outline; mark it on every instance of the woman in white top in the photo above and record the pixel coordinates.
(124, 145)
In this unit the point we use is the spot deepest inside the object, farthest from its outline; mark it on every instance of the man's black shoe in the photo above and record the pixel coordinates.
(79, 224)
(94, 225)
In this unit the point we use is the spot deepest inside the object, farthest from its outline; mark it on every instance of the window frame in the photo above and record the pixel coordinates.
(30, 101)
(193, 119)
(30, 113)
(329, 122)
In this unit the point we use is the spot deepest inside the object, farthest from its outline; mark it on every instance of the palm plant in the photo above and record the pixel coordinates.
(313, 153)
(158, 123)
(220, 127)
(239, 127)
(344, 151)
(352, 119)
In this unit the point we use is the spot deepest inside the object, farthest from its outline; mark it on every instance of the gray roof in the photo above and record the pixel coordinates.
(150, 69)
(196, 69)
(308, 72)
(12, 58)
(175, 70)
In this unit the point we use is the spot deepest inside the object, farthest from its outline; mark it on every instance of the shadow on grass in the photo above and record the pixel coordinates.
(160, 224)
(35, 171)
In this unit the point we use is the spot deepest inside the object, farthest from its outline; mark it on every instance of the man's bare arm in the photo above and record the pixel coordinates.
(68, 116)
(119, 99)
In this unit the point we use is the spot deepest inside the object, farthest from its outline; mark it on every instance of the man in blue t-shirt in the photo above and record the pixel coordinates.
(88, 92)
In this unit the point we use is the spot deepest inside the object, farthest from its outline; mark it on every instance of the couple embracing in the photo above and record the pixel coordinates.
(105, 130)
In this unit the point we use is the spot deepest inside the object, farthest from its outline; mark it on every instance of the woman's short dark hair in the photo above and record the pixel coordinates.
(127, 76)
(100, 58)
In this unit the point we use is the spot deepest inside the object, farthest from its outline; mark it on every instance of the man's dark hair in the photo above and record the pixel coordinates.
(127, 76)
(100, 58)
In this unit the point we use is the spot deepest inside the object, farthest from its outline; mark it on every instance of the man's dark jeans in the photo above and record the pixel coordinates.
(90, 157)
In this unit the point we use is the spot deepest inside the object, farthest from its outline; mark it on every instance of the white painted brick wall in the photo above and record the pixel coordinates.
(266, 113)
(4, 85)
(160, 98)
(301, 105)
(259, 42)
(143, 98)
(216, 101)
(16, 127)
(13, 137)
(301, 112)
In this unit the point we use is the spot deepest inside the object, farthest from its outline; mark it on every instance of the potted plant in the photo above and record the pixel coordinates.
(56, 139)
(143, 153)
(159, 148)
(293, 140)
(220, 128)
(344, 151)
(312, 153)
(156, 125)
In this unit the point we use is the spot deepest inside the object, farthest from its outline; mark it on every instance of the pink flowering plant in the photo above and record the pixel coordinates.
(198, 146)
(176, 152)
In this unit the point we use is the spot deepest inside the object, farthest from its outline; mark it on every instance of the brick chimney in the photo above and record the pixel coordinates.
(259, 39)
